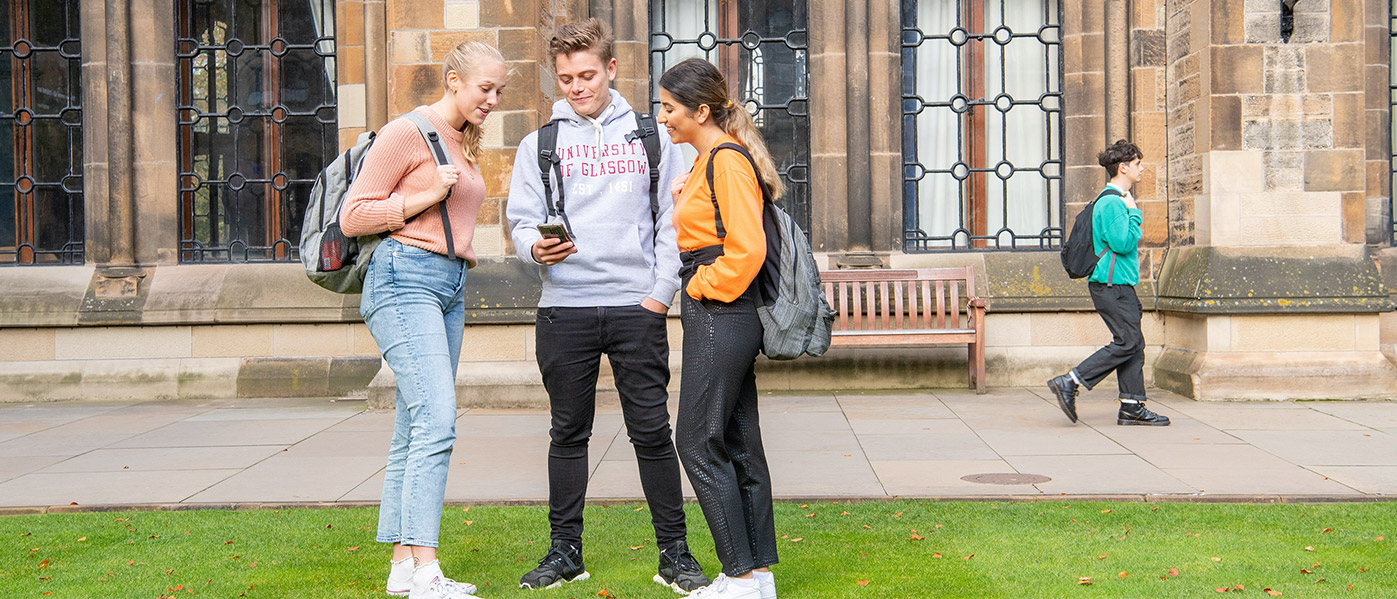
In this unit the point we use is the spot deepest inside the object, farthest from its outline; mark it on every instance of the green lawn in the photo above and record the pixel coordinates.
(828, 550)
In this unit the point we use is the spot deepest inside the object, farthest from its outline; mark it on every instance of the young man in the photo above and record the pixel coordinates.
(1115, 224)
(606, 290)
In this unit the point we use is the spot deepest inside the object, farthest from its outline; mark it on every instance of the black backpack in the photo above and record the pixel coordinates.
(1079, 255)
(646, 130)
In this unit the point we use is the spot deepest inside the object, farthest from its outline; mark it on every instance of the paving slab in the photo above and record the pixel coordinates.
(1098, 474)
(284, 478)
(97, 488)
(1373, 480)
(875, 444)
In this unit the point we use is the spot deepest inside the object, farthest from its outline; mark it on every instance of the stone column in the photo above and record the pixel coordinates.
(829, 168)
(1276, 297)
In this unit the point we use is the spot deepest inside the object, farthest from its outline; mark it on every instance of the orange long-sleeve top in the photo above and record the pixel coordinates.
(400, 164)
(740, 202)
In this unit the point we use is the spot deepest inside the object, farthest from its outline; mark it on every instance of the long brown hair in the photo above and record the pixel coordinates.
(464, 59)
(696, 82)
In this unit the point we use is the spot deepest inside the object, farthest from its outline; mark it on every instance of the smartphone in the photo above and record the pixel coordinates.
(554, 231)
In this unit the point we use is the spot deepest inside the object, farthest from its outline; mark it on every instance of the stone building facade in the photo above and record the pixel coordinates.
(1267, 258)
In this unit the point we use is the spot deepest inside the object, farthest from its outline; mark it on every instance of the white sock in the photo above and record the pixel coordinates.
(765, 577)
(1073, 373)
(1129, 401)
(425, 573)
(745, 583)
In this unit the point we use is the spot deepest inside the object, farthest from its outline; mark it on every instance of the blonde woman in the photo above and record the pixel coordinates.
(718, 224)
(414, 300)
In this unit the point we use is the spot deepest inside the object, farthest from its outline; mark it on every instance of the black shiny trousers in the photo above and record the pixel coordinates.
(718, 434)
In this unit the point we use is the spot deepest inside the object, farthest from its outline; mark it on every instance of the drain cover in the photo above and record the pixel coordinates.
(997, 478)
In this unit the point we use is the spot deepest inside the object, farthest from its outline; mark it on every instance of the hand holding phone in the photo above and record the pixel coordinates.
(554, 246)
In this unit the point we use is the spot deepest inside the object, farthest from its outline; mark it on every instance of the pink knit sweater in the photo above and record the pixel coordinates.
(400, 164)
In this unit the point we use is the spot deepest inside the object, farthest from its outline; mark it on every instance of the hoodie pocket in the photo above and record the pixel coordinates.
(608, 254)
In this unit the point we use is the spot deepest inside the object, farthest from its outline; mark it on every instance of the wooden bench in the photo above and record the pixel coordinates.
(908, 308)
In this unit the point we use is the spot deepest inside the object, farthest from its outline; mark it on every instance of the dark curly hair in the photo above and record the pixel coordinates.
(1119, 153)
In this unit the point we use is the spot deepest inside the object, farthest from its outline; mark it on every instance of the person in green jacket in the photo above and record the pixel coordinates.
(1115, 227)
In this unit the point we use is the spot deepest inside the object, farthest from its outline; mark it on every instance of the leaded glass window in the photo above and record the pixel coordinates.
(41, 199)
(762, 47)
(982, 124)
(257, 123)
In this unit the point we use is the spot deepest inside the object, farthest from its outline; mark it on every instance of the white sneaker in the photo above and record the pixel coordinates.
(766, 584)
(400, 577)
(429, 583)
(727, 588)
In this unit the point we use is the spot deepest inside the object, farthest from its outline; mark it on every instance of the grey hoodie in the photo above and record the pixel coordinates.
(620, 260)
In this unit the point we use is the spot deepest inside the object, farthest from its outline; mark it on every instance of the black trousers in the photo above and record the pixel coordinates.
(719, 435)
(571, 342)
(1120, 308)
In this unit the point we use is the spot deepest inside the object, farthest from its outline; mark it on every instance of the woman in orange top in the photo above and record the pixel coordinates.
(723, 245)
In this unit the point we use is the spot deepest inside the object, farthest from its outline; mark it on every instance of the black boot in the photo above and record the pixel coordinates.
(1135, 414)
(1065, 389)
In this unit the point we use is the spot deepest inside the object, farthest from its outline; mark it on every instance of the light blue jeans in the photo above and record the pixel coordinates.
(414, 305)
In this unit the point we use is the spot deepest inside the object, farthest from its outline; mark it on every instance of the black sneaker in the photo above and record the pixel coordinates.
(679, 570)
(1065, 389)
(563, 563)
(1135, 414)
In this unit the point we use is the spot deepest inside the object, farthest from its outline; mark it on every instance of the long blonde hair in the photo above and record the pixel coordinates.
(464, 59)
(696, 82)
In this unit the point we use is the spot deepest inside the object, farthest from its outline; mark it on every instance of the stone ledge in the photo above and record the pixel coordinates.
(1333, 279)
(184, 378)
(1276, 376)
(501, 290)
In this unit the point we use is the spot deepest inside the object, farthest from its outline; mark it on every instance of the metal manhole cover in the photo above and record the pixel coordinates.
(997, 478)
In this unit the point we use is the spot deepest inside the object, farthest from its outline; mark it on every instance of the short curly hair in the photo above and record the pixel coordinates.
(1119, 153)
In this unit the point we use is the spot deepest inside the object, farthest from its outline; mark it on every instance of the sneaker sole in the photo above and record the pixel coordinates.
(1061, 404)
(1122, 422)
(660, 580)
(560, 582)
(398, 593)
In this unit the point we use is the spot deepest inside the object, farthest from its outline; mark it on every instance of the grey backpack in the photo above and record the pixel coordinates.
(336, 262)
(795, 317)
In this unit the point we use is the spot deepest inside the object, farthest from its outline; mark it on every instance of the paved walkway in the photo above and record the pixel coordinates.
(820, 445)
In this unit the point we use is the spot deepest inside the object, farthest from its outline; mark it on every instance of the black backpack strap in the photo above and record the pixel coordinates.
(550, 162)
(429, 133)
(713, 194)
(647, 131)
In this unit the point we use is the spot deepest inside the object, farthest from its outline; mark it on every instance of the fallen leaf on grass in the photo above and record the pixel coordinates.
(169, 571)
(354, 548)
(82, 539)
(1106, 511)
(868, 527)
(468, 522)
(936, 555)
(843, 513)
(968, 556)
(43, 564)
(1304, 571)
(636, 547)
(1102, 556)
(1378, 539)
(1311, 548)
(1326, 530)
(805, 506)
(1085, 580)
(797, 540)
(897, 515)
(1271, 592)
(1216, 559)
(1173, 571)
(810, 515)
(862, 583)
(915, 537)
(605, 593)
(1123, 575)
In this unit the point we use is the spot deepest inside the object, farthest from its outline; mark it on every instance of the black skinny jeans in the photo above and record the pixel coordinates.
(570, 344)
(1120, 308)
(719, 436)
